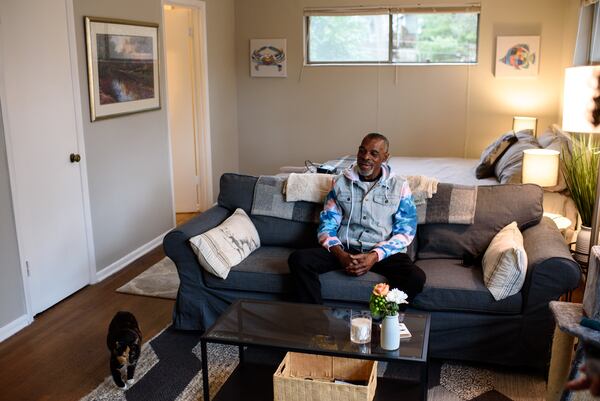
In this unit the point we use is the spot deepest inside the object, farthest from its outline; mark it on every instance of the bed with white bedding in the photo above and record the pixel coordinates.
(456, 170)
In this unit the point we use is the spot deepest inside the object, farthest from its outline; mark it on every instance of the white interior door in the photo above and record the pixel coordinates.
(41, 129)
(182, 114)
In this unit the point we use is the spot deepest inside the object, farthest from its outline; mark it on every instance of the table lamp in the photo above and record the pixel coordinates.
(580, 115)
(521, 123)
(540, 166)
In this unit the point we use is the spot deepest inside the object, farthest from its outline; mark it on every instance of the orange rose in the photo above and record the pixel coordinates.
(381, 290)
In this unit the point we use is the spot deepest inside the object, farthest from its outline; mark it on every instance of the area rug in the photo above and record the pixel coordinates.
(169, 369)
(159, 280)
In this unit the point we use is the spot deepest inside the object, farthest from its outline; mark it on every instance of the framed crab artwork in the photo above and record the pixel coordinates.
(517, 56)
(268, 58)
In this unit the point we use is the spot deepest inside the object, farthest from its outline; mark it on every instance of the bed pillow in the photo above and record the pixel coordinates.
(505, 263)
(226, 245)
(492, 153)
(510, 165)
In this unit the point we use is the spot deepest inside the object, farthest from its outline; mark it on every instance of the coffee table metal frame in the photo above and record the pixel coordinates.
(420, 362)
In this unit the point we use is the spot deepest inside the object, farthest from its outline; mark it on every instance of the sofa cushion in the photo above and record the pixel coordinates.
(237, 191)
(452, 287)
(497, 206)
(280, 232)
(265, 270)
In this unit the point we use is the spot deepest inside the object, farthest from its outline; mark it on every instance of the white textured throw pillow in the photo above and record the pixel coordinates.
(226, 245)
(505, 263)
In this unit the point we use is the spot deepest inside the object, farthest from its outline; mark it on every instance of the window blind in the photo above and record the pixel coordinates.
(406, 9)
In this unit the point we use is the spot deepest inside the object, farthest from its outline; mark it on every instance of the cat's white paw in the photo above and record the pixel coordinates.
(130, 383)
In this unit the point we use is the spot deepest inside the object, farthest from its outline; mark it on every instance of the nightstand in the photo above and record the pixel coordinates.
(561, 221)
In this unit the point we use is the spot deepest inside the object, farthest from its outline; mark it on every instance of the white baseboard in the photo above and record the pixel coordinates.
(13, 327)
(127, 259)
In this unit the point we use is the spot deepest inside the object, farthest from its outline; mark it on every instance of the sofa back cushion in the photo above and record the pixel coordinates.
(237, 191)
(497, 206)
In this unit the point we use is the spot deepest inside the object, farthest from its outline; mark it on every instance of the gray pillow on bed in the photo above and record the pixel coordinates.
(509, 167)
(492, 153)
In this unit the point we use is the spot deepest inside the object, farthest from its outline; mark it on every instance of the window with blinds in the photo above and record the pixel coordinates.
(407, 35)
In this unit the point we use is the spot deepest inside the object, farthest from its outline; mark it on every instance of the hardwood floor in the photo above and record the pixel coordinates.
(62, 355)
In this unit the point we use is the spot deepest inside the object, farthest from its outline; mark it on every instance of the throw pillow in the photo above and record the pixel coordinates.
(492, 153)
(226, 245)
(505, 263)
(510, 165)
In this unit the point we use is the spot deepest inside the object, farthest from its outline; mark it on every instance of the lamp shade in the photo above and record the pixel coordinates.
(581, 93)
(521, 123)
(540, 166)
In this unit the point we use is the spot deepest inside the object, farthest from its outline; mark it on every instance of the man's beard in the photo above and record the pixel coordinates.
(366, 173)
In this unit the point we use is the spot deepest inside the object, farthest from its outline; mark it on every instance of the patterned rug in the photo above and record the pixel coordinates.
(160, 280)
(170, 369)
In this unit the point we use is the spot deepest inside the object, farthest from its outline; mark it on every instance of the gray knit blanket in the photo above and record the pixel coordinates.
(269, 200)
(451, 204)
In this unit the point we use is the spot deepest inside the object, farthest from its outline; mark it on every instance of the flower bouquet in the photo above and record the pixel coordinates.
(385, 302)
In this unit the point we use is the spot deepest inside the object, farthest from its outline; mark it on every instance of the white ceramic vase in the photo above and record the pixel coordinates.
(582, 246)
(390, 333)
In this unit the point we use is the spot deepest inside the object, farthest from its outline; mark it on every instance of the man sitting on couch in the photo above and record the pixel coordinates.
(368, 221)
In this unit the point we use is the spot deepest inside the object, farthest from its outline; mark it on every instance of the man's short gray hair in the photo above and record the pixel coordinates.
(377, 135)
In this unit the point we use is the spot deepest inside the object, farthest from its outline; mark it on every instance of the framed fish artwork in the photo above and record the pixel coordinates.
(517, 56)
(268, 58)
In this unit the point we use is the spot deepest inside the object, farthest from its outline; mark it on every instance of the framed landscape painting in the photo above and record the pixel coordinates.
(122, 58)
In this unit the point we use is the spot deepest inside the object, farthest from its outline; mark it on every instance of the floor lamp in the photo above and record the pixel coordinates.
(580, 115)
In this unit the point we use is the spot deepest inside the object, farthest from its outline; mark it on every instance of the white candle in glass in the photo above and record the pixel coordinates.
(360, 330)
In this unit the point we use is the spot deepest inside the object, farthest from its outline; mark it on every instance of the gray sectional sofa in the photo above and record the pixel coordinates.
(466, 323)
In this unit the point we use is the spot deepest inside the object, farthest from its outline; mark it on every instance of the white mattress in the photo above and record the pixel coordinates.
(454, 170)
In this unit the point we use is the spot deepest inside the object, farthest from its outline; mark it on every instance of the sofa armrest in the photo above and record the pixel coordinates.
(551, 270)
(175, 243)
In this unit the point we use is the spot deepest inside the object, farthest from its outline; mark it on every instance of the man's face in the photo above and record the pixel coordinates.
(371, 154)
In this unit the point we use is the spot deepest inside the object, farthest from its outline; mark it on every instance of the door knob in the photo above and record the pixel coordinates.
(75, 158)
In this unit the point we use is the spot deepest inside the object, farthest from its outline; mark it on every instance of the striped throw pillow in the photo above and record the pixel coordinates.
(505, 263)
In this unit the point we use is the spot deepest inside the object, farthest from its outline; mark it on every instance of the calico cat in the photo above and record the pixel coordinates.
(124, 340)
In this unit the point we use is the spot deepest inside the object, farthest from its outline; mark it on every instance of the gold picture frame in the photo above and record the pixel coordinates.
(123, 67)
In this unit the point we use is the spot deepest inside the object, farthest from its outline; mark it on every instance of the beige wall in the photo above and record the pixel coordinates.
(319, 113)
(220, 16)
(128, 157)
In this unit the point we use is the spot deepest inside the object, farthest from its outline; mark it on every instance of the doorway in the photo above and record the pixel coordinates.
(187, 97)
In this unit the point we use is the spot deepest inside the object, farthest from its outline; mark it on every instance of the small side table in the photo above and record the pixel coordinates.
(567, 316)
(561, 221)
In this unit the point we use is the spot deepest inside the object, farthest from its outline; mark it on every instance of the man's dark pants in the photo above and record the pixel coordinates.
(307, 264)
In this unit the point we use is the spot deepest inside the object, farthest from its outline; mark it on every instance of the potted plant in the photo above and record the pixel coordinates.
(580, 169)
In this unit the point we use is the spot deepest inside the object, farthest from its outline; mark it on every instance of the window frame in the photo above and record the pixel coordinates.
(389, 62)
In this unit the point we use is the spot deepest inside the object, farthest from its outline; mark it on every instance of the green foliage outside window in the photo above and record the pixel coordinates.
(416, 38)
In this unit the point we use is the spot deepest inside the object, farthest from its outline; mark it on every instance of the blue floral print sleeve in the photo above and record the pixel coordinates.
(404, 226)
(330, 220)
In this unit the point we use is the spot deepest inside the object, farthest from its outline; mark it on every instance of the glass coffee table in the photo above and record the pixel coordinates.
(311, 329)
